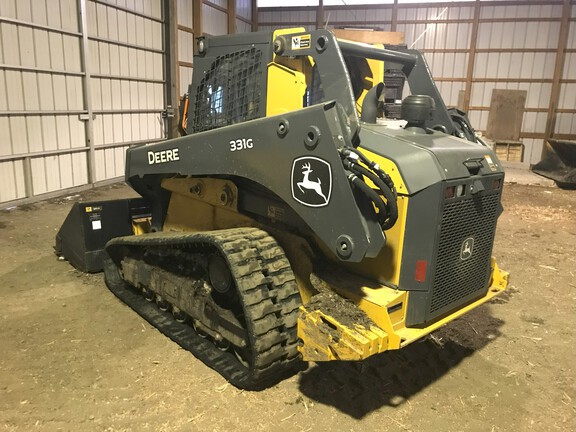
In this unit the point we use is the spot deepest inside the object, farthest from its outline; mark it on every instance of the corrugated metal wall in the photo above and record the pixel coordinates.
(40, 98)
(215, 17)
(243, 16)
(82, 80)
(274, 19)
(566, 119)
(185, 13)
(67, 114)
(127, 82)
(216, 20)
(446, 43)
(213, 20)
(524, 61)
(515, 48)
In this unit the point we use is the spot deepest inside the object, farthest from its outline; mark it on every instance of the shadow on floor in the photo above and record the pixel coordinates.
(391, 378)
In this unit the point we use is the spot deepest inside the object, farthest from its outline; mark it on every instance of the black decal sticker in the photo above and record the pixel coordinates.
(301, 42)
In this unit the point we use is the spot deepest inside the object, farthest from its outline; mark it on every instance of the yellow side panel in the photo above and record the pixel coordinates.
(141, 225)
(204, 210)
(285, 31)
(389, 168)
(387, 265)
(286, 88)
(287, 79)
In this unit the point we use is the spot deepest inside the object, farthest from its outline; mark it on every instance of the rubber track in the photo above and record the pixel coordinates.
(266, 287)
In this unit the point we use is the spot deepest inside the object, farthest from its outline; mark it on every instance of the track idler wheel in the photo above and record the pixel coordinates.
(219, 274)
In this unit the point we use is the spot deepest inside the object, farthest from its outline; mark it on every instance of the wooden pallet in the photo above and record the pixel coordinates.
(509, 150)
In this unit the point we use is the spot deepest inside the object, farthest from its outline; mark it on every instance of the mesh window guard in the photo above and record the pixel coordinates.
(230, 92)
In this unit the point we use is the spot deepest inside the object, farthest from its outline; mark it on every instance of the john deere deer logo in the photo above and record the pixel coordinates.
(306, 183)
(467, 248)
(311, 181)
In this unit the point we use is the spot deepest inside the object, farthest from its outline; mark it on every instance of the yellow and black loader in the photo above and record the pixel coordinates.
(292, 223)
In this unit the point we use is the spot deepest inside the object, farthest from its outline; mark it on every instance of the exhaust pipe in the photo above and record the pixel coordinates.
(370, 104)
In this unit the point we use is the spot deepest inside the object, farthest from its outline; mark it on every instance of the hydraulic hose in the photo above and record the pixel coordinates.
(354, 153)
(387, 210)
(391, 206)
(372, 195)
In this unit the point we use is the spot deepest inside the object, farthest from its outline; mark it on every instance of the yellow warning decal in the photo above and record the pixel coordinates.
(90, 209)
(490, 162)
(301, 42)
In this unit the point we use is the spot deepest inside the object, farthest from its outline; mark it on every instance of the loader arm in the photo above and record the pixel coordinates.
(289, 146)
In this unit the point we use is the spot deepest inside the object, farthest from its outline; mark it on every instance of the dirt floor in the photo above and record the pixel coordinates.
(74, 358)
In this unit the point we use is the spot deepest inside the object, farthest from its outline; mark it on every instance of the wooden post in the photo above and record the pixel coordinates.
(254, 15)
(472, 56)
(394, 24)
(320, 15)
(87, 92)
(558, 69)
(231, 16)
(171, 67)
(197, 13)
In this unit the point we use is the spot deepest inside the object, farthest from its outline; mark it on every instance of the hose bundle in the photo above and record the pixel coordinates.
(359, 166)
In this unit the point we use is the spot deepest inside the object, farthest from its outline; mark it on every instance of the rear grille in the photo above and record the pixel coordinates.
(230, 92)
(456, 279)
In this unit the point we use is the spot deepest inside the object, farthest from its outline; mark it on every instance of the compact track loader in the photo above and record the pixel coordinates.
(292, 224)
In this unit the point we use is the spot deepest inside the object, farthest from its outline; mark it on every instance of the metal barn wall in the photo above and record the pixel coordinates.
(185, 20)
(516, 50)
(61, 134)
(215, 17)
(445, 43)
(566, 117)
(206, 17)
(475, 47)
(80, 80)
(243, 16)
(127, 78)
(221, 17)
(285, 18)
(42, 141)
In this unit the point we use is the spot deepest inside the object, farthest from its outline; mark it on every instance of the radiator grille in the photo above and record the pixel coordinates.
(230, 92)
(455, 278)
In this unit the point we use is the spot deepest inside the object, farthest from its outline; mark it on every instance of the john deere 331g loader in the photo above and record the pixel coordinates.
(291, 223)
